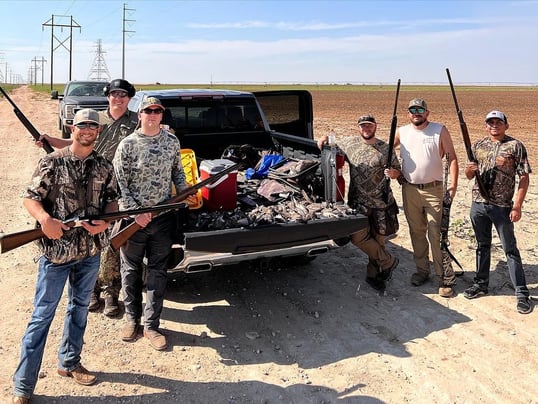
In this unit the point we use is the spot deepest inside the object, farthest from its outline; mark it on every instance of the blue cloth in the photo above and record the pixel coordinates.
(483, 218)
(267, 162)
(51, 279)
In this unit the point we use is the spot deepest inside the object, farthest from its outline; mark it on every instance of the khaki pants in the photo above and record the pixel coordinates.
(372, 245)
(423, 210)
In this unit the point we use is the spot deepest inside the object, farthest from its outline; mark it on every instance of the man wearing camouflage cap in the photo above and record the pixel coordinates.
(147, 165)
(73, 181)
(423, 145)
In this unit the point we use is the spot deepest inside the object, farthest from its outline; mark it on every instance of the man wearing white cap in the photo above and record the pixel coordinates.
(500, 159)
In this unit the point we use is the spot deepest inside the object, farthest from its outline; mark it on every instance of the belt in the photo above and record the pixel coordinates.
(427, 185)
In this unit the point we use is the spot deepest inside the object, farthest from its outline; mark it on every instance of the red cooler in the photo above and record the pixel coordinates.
(222, 194)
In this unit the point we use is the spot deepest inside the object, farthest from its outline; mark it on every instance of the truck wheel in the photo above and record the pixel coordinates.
(66, 132)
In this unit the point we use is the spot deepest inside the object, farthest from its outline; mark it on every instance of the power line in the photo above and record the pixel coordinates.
(72, 24)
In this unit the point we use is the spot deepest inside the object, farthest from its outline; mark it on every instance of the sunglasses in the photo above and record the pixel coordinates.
(84, 125)
(417, 110)
(152, 111)
(118, 94)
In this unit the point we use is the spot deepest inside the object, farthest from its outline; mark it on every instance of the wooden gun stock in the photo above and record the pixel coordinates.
(121, 237)
(10, 241)
(392, 137)
(467, 141)
(27, 124)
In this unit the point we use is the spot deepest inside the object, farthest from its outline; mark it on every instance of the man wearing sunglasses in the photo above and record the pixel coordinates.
(117, 122)
(147, 165)
(423, 144)
(500, 159)
(73, 181)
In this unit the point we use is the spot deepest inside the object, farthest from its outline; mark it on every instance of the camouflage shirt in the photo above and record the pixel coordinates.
(366, 166)
(113, 132)
(69, 187)
(498, 164)
(147, 167)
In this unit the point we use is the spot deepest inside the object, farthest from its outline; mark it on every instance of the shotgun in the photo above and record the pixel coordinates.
(13, 240)
(121, 237)
(392, 136)
(27, 124)
(467, 141)
(447, 256)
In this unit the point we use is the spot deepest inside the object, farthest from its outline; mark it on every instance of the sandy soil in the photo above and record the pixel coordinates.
(309, 334)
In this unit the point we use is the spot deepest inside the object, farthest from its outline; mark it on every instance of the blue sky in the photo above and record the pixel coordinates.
(491, 42)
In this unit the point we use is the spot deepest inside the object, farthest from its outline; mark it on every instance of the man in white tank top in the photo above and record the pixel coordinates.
(422, 147)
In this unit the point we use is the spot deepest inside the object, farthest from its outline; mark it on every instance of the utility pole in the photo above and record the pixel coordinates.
(99, 71)
(36, 68)
(72, 24)
(124, 32)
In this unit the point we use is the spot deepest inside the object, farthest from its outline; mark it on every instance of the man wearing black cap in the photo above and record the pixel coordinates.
(367, 156)
(423, 145)
(73, 181)
(117, 122)
(500, 159)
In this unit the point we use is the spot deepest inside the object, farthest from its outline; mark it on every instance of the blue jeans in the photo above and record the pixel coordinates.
(155, 242)
(483, 216)
(50, 284)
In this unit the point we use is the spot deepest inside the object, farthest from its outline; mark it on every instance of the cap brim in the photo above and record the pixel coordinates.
(152, 105)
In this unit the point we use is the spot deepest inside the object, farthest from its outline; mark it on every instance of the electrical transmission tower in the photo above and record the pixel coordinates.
(99, 71)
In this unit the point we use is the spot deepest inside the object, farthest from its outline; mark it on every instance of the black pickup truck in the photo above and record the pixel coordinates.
(300, 214)
(77, 95)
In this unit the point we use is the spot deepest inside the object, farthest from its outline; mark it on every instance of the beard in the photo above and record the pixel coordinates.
(367, 136)
(419, 121)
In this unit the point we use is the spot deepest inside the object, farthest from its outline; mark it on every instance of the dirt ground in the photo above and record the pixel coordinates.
(308, 334)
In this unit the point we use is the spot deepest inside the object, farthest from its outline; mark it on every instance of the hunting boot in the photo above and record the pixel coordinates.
(94, 299)
(112, 307)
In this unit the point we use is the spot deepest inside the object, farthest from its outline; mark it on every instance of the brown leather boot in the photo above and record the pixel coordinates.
(112, 307)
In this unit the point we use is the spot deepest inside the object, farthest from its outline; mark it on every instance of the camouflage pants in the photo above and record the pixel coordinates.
(109, 277)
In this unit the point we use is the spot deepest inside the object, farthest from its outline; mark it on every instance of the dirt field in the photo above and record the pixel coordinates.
(309, 334)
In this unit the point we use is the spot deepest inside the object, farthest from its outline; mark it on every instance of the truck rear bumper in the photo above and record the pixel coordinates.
(198, 261)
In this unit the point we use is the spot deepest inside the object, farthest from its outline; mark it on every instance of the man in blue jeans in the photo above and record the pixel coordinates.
(500, 158)
(74, 181)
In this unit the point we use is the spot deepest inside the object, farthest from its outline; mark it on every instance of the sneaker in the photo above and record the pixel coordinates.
(386, 274)
(474, 291)
(419, 278)
(129, 331)
(80, 375)
(94, 302)
(112, 308)
(446, 291)
(524, 305)
(156, 339)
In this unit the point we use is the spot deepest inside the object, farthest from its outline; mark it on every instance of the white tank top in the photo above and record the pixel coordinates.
(420, 154)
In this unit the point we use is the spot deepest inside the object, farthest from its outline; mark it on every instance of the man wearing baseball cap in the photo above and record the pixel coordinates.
(423, 145)
(116, 123)
(148, 166)
(68, 254)
(500, 158)
(366, 156)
